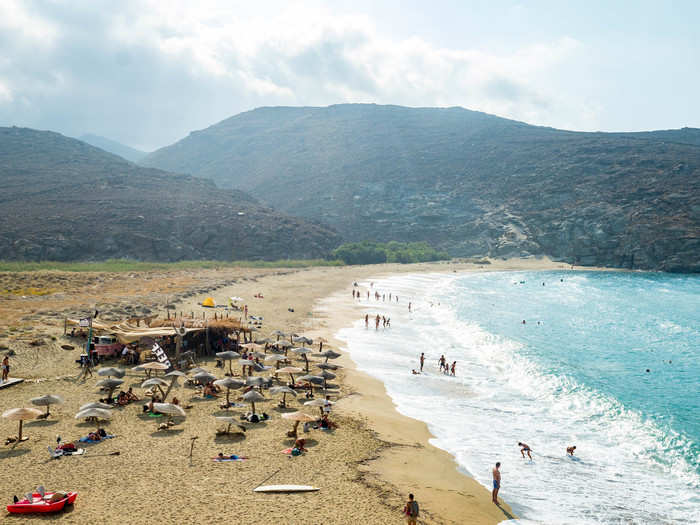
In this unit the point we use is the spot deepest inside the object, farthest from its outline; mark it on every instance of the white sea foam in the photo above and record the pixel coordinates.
(627, 469)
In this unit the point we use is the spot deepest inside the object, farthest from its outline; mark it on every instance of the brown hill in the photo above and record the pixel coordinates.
(467, 182)
(63, 199)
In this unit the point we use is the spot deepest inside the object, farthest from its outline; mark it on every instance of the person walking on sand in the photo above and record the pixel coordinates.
(496, 483)
(5, 368)
(411, 510)
(525, 448)
(422, 360)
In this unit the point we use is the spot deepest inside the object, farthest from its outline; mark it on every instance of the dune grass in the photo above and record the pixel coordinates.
(125, 265)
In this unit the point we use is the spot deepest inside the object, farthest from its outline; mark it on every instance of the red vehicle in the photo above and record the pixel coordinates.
(107, 345)
(41, 503)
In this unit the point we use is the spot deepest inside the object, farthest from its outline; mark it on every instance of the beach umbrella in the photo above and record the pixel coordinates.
(196, 370)
(46, 401)
(96, 404)
(320, 403)
(278, 334)
(157, 382)
(253, 397)
(330, 354)
(250, 346)
(169, 409)
(318, 380)
(328, 366)
(275, 358)
(153, 366)
(235, 299)
(94, 413)
(111, 371)
(298, 417)
(326, 375)
(303, 351)
(204, 377)
(284, 390)
(259, 355)
(229, 355)
(229, 384)
(262, 341)
(230, 420)
(304, 340)
(110, 384)
(20, 414)
(289, 370)
(255, 381)
(312, 379)
(173, 381)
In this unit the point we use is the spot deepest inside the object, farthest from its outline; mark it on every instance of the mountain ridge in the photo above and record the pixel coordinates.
(64, 199)
(466, 181)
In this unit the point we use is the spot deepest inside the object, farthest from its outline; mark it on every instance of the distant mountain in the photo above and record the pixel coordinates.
(465, 181)
(63, 199)
(112, 146)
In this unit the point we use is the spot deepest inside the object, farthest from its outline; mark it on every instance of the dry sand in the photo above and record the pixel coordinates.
(364, 469)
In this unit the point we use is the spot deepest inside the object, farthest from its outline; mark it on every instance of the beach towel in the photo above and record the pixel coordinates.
(59, 453)
(219, 460)
(287, 450)
(90, 441)
(155, 415)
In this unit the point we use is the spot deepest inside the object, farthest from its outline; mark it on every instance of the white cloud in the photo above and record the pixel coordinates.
(154, 71)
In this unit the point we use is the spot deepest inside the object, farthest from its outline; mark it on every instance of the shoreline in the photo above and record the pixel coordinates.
(446, 494)
(364, 469)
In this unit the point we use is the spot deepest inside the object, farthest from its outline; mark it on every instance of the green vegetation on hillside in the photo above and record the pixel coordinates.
(126, 265)
(367, 252)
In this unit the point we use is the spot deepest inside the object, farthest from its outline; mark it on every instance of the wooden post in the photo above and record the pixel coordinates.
(65, 325)
(207, 346)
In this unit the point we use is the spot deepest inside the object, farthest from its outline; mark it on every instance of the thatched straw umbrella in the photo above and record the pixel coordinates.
(298, 417)
(284, 390)
(96, 404)
(169, 409)
(111, 371)
(229, 356)
(173, 382)
(303, 340)
(47, 401)
(289, 370)
(253, 397)
(314, 380)
(110, 384)
(320, 403)
(204, 377)
(156, 382)
(20, 414)
(230, 420)
(330, 354)
(229, 384)
(278, 334)
(277, 359)
(303, 351)
(326, 375)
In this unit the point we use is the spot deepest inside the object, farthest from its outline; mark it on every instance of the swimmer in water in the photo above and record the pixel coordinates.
(525, 448)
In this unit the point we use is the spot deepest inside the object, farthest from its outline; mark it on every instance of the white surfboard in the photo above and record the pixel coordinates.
(286, 488)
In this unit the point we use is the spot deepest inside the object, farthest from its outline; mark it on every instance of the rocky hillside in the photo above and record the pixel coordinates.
(63, 199)
(465, 181)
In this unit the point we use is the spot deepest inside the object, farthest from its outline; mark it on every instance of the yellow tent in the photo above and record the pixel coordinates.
(209, 302)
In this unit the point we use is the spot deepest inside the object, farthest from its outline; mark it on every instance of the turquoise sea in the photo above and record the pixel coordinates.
(606, 361)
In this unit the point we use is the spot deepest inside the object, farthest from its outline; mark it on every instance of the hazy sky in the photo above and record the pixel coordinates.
(146, 73)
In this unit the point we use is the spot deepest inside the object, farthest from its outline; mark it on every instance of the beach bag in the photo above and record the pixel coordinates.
(296, 452)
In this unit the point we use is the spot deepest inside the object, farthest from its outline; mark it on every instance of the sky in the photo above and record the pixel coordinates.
(146, 73)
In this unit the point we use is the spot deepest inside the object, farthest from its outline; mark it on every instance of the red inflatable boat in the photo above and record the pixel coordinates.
(39, 504)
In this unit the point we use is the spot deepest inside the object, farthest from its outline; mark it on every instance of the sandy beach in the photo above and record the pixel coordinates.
(364, 469)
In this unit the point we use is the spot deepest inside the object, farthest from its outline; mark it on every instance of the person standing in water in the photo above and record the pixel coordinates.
(525, 448)
(441, 361)
(570, 450)
(366, 320)
(452, 370)
(409, 306)
(496, 483)
(422, 360)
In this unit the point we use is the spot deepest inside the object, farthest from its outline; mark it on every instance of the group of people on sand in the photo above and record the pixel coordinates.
(383, 320)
